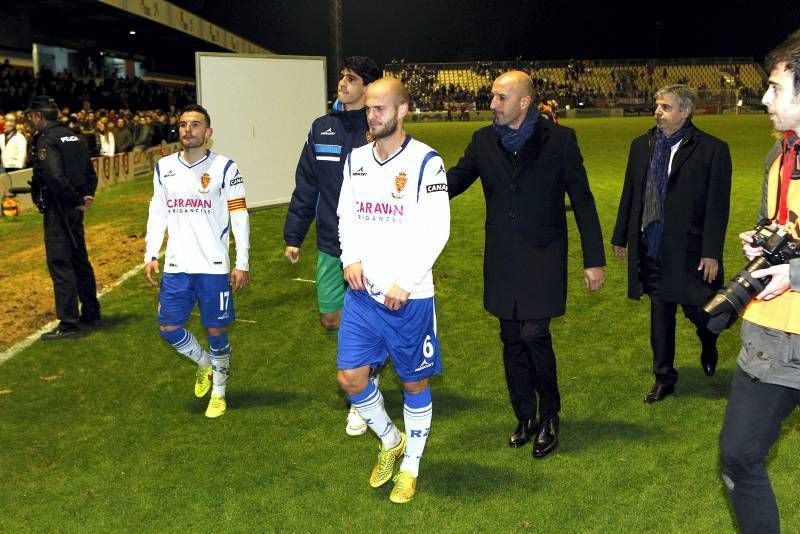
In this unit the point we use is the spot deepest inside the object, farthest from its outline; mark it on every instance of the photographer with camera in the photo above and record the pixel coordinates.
(766, 386)
(63, 187)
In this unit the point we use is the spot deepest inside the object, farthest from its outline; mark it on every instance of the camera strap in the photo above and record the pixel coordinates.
(787, 169)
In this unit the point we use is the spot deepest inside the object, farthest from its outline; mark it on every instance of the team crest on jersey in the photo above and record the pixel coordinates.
(204, 181)
(42, 153)
(399, 184)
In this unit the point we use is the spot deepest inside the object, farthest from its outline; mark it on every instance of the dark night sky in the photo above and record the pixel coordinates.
(451, 30)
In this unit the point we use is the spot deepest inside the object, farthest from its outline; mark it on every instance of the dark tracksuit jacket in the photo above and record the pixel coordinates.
(318, 179)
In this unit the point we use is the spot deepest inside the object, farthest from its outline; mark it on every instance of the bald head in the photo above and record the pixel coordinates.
(517, 79)
(512, 94)
(387, 107)
(391, 87)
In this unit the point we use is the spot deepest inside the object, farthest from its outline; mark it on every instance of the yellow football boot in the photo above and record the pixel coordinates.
(216, 406)
(405, 486)
(202, 381)
(387, 459)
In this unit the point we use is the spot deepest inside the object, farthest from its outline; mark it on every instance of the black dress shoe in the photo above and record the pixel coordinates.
(523, 434)
(658, 393)
(547, 440)
(60, 333)
(708, 361)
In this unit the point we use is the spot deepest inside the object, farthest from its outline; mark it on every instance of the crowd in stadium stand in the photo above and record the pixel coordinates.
(112, 116)
(574, 83)
(116, 115)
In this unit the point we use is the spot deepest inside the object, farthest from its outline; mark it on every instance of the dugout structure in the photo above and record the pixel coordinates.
(261, 107)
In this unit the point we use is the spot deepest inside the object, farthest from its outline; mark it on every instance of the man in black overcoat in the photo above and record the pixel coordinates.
(672, 218)
(527, 164)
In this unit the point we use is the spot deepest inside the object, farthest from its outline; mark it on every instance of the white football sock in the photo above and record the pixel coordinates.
(417, 415)
(369, 404)
(186, 344)
(220, 369)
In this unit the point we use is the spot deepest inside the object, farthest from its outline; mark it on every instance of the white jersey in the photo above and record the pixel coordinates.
(394, 217)
(200, 205)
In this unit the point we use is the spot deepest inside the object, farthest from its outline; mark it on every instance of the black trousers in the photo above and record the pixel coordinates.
(662, 323)
(752, 425)
(68, 263)
(530, 366)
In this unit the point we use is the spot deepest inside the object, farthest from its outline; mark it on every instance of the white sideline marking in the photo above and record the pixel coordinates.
(13, 350)
(303, 280)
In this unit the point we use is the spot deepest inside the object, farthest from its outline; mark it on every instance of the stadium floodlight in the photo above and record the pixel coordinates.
(132, 32)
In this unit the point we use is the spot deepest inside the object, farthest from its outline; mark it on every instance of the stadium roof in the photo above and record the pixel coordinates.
(95, 24)
(467, 30)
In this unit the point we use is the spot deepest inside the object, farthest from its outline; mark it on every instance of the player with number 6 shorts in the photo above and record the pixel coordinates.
(394, 220)
(199, 199)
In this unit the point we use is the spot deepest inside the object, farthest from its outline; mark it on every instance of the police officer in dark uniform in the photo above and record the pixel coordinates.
(63, 187)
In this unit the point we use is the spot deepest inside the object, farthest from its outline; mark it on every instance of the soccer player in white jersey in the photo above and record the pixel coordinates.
(198, 197)
(394, 220)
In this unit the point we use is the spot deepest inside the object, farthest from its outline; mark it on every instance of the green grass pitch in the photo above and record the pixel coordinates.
(104, 434)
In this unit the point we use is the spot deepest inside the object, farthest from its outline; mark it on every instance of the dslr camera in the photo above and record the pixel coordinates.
(725, 306)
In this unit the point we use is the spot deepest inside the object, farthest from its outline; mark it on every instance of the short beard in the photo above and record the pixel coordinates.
(388, 130)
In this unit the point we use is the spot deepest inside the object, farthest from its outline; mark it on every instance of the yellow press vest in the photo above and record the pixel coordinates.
(782, 312)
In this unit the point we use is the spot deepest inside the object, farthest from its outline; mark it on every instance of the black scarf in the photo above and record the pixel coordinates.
(511, 139)
(656, 187)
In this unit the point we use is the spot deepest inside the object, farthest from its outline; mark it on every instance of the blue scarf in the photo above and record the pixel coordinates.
(656, 188)
(511, 139)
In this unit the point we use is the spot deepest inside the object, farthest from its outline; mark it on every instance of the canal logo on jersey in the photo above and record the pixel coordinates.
(204, 181)
(399, 184)
(236, 180)
(433, 188)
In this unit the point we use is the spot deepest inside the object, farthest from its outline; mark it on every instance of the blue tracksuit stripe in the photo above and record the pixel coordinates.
(318, 178)
(328, 149)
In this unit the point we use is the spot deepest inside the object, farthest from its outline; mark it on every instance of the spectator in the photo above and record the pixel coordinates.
(123, 136)
(159, 124)
(89, 135)
(171, 131)
(143, 138)
(13, 144)
(105, 139)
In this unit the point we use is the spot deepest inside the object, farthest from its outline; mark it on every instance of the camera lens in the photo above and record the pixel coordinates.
(729, 302)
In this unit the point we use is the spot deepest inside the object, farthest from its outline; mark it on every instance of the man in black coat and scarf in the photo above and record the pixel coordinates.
(527, 165)
(672, 219)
